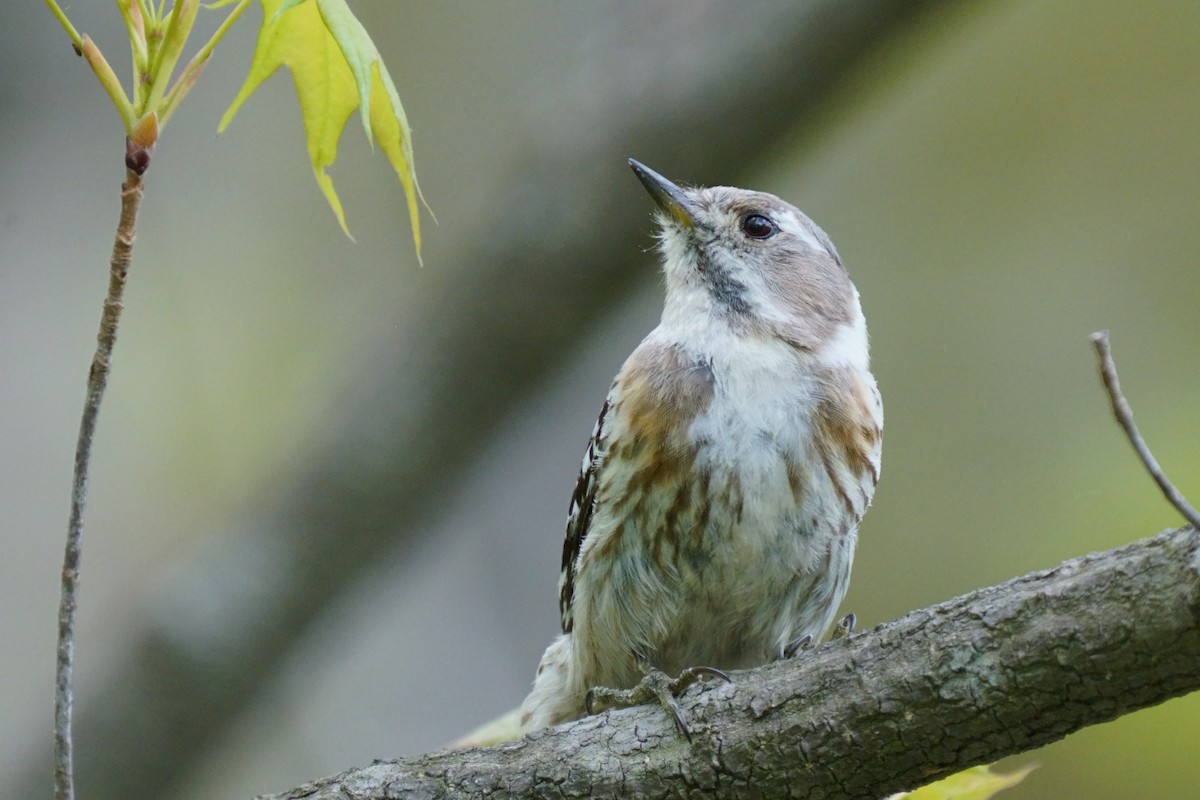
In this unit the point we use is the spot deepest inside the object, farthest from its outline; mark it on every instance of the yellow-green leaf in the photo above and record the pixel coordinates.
(977, 783)
(336, 69)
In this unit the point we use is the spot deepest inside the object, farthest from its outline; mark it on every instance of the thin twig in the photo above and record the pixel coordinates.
(122, 255)
(1124, 415)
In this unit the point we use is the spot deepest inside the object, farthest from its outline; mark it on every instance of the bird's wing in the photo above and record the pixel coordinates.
(579, 515)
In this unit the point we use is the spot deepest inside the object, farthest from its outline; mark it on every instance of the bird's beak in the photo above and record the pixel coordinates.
(670, 198)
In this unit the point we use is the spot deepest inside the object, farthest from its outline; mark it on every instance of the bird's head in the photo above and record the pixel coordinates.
(751, 260)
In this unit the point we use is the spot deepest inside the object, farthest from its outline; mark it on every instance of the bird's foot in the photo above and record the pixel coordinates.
(844, 628)
(656, 686)
(797, 645)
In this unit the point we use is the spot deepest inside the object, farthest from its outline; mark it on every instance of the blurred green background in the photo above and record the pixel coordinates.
(1001, 178)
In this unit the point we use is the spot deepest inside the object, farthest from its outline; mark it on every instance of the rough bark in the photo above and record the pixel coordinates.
(994, 672)
(720, 95)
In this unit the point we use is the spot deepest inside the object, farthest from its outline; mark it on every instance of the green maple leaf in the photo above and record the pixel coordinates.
(336, 69)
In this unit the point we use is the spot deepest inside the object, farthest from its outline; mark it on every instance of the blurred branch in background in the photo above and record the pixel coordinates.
(995, 672)
(523, 283)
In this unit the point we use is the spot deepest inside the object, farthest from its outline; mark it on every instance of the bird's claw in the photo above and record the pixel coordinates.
(797, 645)
(844, 628)
(655, 686)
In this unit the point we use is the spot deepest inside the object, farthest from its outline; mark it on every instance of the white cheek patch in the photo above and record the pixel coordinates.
(848, 345)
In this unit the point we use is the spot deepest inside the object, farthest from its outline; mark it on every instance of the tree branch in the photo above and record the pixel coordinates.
(994, 672)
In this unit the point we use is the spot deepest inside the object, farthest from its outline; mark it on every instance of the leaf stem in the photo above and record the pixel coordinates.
(76, 39)
(135, 26)
(149, 14)
(122, 255)
(108, 79)
(205, 51)
(191, 72)
(179, 27)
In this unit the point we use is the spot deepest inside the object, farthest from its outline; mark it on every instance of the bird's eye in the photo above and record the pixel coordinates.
(756, 226)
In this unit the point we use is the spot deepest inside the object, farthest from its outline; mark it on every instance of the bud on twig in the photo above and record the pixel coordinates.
(139, 144)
